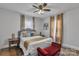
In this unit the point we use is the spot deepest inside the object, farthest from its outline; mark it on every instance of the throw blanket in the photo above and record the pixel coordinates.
(32, 41)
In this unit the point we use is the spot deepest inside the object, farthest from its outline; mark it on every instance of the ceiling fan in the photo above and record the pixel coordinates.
(41, 8)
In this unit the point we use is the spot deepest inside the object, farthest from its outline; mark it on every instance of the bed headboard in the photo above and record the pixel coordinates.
(25, 32)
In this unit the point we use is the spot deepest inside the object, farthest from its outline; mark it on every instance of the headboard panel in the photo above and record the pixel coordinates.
(25, 33)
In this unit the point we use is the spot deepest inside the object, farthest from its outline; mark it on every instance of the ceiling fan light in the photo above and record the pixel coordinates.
(40, 12)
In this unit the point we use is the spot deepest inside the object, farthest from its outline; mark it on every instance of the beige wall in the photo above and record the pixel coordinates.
(9, 23)
(71, 29)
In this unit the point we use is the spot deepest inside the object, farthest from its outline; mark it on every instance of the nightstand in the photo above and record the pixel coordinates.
(13, 41)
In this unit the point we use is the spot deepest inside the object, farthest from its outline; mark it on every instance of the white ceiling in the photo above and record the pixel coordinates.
(27, 9)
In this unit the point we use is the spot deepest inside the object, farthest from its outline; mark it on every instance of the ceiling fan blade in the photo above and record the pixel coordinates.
(45, 4)
(36, 11)
(46, 9)
(35, 6)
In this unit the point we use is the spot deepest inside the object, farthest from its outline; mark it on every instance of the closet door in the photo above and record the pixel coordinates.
(59, 29)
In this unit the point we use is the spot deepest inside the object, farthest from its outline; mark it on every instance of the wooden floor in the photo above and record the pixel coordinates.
(14, 51)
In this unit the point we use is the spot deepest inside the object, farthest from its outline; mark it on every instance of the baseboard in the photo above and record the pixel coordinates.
(70, 46)
(6, 46)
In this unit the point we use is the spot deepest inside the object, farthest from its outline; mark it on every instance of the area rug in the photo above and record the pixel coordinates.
(65, 52)
(69, 52)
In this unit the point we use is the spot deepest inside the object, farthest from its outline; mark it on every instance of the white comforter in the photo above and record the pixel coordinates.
(32, 47)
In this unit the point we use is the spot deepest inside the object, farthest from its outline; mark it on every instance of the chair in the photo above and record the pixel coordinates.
(52, 50)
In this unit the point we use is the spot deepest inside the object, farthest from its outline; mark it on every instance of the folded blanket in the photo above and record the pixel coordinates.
(27, 42)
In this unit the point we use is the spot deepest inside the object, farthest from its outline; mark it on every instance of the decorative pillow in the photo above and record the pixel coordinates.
(24, 33)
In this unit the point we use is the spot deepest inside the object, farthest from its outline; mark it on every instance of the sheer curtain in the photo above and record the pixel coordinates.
(59, 30)
(27, 22)
(56, 28)
(52, 27)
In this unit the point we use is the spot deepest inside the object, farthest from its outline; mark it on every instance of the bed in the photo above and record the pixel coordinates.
(30, 44)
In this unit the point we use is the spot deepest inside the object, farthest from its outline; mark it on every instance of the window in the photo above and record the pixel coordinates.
(29, 23)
